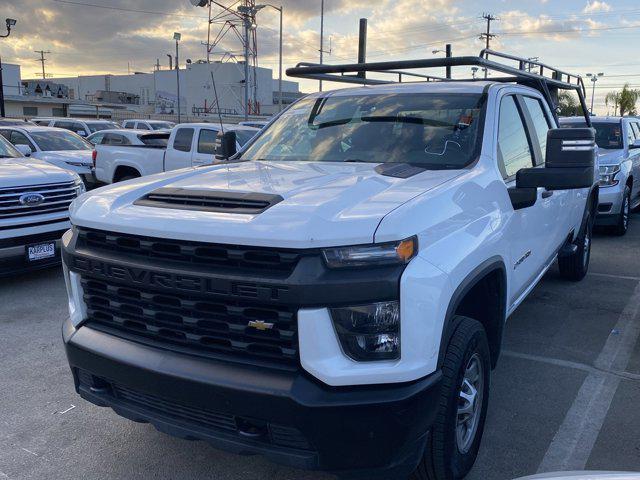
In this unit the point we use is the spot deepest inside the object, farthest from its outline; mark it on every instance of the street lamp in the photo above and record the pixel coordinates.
(177, 36)
(279, 9)
(594, 78)
(10, 23)
(474, 71)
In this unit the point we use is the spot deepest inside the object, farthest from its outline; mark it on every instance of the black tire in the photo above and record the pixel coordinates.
(625, 213)
(575, 266)
(447, 456)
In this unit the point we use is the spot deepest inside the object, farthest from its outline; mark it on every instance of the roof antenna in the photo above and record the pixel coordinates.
(215, 92)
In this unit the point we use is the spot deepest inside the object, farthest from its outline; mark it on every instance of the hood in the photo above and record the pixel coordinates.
(23, 171)
(67, 156)
(610, 157)
(322, 204)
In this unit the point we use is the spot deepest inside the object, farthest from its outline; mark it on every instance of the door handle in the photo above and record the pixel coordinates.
(547, 193)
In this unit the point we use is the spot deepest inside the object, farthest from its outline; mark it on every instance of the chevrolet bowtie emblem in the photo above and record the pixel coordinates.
(260, 325)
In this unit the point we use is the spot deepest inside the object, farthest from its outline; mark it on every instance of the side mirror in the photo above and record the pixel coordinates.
(635, 144)
(228, 145)
(24, 150)
(570, 160)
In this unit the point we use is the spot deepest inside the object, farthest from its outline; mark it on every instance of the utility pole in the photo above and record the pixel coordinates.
(247, 24)
(487, 36)
(448, 54)
(177, 36)
(42, 60)
(157, 65)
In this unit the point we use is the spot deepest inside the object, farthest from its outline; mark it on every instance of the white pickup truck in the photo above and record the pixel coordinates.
(189, 145)
(34, 210)
(334, 295)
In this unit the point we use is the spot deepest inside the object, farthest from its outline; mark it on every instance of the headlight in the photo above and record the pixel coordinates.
(376, 254)
(369, 332)
(608, 175)
(79, 184)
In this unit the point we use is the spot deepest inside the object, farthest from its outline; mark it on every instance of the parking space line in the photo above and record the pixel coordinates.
(574, 440)
(569, 364)
(609, 275)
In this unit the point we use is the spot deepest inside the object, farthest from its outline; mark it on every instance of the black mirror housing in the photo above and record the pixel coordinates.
(570, 161)
(228, 143)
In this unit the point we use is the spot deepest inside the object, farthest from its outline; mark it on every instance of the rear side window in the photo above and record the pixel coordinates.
(540, 121)
(18, 138)
(129, 124)
(182, 140)
(142, 126)
(207, 141)
(514, 151)
(115, 139)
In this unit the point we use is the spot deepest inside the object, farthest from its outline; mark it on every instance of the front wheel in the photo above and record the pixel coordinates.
(625, 213)
(455, 437)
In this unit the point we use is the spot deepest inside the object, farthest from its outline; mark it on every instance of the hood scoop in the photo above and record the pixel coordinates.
(209, 200)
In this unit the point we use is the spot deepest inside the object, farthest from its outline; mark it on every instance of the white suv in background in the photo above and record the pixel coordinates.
(148, 124)
(618, 140)
(34, 210)
(83, 127)
(60, 147)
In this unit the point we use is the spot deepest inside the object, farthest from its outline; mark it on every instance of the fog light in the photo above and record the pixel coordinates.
(369, 332)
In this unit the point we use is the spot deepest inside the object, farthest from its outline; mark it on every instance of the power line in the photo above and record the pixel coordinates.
(570, 30)
(130, 10)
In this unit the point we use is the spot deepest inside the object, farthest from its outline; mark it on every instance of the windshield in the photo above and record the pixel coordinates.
(7, 150)
(55, 141)
(608, 134)
(430, 130)
(97, 126)
(162, 125)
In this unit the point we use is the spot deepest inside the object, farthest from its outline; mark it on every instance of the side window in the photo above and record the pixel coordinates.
(97, 138)
(514, 151)
(630, 134)
(142, 126)
(540, 121)
(182, 140)
(18, 138)
(5, 133)
(115, 139)
(207, 141)
(636, 129)
(64, 124)
(128, 124)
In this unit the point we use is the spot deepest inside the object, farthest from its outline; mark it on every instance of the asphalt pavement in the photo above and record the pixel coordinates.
(564, 395)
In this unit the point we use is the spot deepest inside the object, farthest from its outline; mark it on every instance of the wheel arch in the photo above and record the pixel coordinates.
(122, 170)
(490, 279)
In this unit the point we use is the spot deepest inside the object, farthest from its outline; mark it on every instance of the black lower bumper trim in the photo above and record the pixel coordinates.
(357, 432)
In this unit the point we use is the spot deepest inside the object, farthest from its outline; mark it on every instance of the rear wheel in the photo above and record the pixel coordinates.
(455, 437)
(625, 213)
(574, 267)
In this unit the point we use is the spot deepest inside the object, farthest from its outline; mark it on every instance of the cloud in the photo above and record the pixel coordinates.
(596, 6)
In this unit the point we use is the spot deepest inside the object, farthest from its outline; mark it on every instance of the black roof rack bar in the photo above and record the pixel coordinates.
(367, 81)
(340, 73)
(527, 63)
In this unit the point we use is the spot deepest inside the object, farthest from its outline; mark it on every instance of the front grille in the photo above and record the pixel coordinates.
(200, 418)
(31, 239)
(56, 198)
(195, 323)
(196, 253)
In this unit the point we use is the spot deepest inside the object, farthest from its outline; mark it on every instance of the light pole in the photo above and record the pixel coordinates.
(447, 53)
(10, 23)
(177, 36)
(279, 9)
(594, 78)
(249, 21)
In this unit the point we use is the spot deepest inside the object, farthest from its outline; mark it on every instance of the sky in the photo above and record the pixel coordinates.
(117, 36)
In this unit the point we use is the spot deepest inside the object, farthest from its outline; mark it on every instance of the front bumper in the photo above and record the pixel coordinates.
(13, 255)
(357, 432)
(609, 204)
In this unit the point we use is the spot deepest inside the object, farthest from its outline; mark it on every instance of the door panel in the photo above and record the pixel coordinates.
(180, 151)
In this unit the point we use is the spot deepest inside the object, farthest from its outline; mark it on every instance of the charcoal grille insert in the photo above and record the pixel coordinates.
(253, 258)
(195, 323)
(280, 435)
